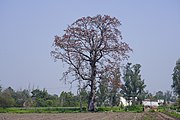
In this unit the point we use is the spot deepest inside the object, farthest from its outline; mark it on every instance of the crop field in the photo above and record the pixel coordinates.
(72, 116)
(86, 116)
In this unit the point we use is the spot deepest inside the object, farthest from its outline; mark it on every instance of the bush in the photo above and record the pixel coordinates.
(134, 108)
(178, 103)
(3, 110)
(112, 109)
(6, 100)
(49, 103)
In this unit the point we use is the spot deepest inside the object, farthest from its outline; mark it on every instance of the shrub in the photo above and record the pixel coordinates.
(6, 100)
(112, 109)
(134, 108)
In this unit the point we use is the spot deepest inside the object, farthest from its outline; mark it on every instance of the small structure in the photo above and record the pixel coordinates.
(124, 102)
(150, 104)
(161, 101)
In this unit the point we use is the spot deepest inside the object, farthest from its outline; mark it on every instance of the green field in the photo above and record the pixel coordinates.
(66, 109)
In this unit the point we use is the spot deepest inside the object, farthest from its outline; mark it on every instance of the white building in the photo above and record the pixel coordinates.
(124, 102)
(150, 103)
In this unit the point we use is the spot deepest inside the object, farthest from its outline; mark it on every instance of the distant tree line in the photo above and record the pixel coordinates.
(38, 98)
(108, 92)
(41, 98)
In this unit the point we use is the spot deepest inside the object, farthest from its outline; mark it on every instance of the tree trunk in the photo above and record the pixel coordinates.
(133, 100)
(92, 95)
(80, 103)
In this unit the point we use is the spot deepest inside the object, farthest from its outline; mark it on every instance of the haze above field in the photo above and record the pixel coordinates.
(27, 31)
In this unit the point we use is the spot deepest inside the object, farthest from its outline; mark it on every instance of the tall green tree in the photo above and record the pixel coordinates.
(39, 97)
(21, 97)
(89, 46)
(53, 100)
(133, 86)
(0, 88)
(176, 78)
(7, 98)
(168, 96)
(159, 95)
(67, 99)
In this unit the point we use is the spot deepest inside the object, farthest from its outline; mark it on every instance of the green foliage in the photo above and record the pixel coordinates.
(168, 96)
(21, 97)
(177, 104)
(10, 98)
(176, 78)
(49, 103)
(133, 84)
(112, 109)
(40, 98)
(40, 102)
(6, 100)
(151, 110)
(43, 110)
(84, 96)
(67, 99)
(66, 109)
(102, 92)
(170, 113)
(43, 94)
(3, 110)
(174, 114)
(159, 95)
(0, 88)
(134, 108)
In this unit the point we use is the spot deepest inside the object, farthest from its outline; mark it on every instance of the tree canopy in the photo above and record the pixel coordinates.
(133, 86)
(176, 78)
(91, 46)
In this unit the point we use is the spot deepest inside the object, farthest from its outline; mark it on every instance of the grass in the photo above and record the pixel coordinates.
(112, 109)
(170, 112)
(68, 109)
(42, 110)
(135, 108)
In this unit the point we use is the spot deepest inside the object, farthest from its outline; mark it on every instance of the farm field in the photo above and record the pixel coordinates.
(86, 116)
(72, 116)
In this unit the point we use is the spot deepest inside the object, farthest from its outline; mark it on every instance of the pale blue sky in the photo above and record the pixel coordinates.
(28, 27)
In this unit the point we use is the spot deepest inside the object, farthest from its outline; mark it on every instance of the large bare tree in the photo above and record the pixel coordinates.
(91, 46)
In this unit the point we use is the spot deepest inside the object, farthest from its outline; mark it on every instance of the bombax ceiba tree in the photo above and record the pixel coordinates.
(91, 46)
